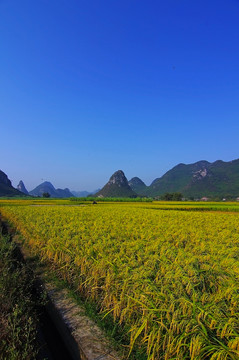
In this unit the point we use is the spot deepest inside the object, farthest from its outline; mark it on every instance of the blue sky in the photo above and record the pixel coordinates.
(90, 87)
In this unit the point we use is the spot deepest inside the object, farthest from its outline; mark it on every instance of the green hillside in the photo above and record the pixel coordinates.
(117, 186)
(217, 179)
(137, 185)
(6, 188)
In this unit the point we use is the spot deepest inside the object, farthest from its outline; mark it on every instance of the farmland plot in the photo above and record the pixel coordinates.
(170, 277)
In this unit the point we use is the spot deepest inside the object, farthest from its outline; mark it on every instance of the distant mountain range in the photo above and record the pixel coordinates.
(201, 179)
(84, 193)
(47, 187)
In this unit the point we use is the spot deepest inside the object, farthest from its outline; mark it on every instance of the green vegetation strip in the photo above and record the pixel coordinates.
(18, 316)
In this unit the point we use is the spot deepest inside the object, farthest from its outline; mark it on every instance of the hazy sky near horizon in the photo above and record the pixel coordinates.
(91, 87)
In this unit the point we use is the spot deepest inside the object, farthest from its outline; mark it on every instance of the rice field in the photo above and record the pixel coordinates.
(170, 277)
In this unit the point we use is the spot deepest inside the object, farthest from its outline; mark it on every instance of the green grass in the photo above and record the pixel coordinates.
(18, 316)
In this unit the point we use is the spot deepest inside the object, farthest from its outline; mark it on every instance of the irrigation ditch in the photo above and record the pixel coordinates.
(64, 332)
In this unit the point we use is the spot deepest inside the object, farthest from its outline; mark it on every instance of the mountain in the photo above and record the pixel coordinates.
(84, 193)
(6, 188)
(217, 179)
(117, 186)
(64, 193)
(80, 193)
(21, 187)
(137, 185)
(94, 192)
(47, 187)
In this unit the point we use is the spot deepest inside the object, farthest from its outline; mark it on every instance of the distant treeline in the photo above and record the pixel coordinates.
(176, 196)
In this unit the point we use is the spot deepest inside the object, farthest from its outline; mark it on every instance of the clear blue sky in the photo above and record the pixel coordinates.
(88, 87)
